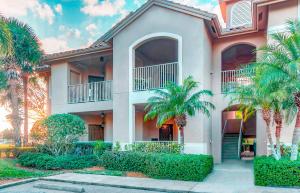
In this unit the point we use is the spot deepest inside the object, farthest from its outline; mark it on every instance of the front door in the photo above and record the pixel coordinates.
(96, 132)
(166, 132)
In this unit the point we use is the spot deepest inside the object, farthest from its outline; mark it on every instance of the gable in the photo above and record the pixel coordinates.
(146, 7)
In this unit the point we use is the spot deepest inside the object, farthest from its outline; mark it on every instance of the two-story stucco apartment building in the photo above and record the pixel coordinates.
(108, 83)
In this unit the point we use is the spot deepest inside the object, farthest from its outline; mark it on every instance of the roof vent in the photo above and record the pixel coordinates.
(241, 14)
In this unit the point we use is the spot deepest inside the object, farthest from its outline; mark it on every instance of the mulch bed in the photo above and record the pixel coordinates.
(8, 181)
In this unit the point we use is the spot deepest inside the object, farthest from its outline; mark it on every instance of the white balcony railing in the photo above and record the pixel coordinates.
(90, 92)
(156, 76)
(231, 79)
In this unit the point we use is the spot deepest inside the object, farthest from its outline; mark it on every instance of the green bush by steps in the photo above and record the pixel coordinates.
(49, 162)
(87, 147)
(162, 166)
(269, 172)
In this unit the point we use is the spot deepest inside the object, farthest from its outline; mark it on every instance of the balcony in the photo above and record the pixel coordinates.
(90, 92)
(155, 76)
(231, 79)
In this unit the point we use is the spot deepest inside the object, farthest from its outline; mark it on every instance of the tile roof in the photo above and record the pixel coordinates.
(71, 53)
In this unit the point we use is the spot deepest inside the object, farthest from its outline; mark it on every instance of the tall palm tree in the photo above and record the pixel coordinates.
(177, 102)
(281, 67)
(25, 56)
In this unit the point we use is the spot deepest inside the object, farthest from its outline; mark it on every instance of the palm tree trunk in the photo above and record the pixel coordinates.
(16, 120)
(267, 118)
(181, 123)
(181, 138)
(278, 121)
(25, 90)
(296, 138)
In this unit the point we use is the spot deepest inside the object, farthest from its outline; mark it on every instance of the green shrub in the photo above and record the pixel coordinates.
(87, 147)
(269, 172)
(117, 146)
(63, 131)
(155, 147)
(99, 149)
(49, 162)
(165, 166)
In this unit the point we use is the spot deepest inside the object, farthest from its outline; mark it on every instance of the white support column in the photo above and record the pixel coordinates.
(261, 137)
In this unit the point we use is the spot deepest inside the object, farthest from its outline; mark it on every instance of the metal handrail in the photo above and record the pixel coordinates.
(223, 130)
(240, 139)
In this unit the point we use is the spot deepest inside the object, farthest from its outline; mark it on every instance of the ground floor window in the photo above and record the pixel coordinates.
(166, 132)
(96, 132)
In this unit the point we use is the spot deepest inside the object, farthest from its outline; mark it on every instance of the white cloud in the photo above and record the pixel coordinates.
(103, 8)
(58, 8)
(91, 28)
(45, 12)
(15, 8)
(52, 45)
(139, 2)
(69, 32)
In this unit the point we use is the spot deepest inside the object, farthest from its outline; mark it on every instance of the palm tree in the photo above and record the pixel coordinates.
(251, 98)
(281, 67)
(177, 102)
(5, 38)
(25, 55)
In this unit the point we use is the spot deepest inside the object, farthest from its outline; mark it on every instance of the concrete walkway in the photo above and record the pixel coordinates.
(229, 177)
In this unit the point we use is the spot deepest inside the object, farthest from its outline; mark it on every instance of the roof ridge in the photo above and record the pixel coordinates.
(144, 6)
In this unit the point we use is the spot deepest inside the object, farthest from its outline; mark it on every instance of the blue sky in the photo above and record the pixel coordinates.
(70, 24)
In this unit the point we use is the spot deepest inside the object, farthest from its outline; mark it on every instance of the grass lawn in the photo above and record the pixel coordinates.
(9, 170)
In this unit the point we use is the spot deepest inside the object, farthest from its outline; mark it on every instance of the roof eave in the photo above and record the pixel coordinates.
(51, 59)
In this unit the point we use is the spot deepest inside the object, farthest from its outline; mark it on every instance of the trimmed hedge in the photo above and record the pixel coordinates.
(48, 162)
(162, 166)
(87, 147)
(269, 172)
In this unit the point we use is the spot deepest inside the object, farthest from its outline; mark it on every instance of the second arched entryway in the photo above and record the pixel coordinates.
(238, 134)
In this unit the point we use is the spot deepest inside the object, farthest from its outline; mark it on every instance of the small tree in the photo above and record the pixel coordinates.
(177, 102)
(38, 132)
(63, 131)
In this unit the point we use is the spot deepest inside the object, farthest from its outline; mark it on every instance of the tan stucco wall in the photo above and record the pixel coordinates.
(59, 85)
(279, 13)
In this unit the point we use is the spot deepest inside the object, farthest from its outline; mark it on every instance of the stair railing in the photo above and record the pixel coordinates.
(240, 139)
(224, 128)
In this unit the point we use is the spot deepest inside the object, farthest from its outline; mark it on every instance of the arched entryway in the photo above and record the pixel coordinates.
(238, 134)
(156, 59)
